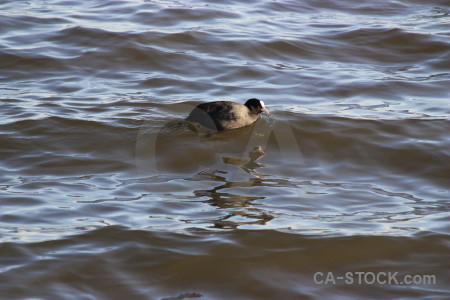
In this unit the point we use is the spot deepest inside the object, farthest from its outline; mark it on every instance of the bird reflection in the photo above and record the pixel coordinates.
(239, 206)
(249, 164)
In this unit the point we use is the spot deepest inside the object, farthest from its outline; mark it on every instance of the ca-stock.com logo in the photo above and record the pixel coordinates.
(148, 157)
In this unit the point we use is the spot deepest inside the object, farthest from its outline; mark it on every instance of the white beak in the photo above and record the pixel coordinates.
(264, 109)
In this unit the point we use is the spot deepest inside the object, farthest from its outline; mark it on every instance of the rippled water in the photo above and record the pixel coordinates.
(106, 193)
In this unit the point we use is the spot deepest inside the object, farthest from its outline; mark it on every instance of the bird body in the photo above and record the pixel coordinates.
(225, 115)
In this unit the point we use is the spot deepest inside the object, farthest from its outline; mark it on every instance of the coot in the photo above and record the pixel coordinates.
(224, 115)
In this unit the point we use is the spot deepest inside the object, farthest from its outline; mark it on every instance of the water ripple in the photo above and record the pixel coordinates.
(100, 172)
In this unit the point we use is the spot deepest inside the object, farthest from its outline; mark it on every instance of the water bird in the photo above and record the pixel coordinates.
(225, 115)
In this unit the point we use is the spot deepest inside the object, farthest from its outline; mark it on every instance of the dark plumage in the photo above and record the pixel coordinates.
(224, 115)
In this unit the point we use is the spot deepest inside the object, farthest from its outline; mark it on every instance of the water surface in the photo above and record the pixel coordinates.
(106, 193)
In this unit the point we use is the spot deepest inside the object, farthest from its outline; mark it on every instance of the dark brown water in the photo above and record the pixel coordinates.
(105, 193)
